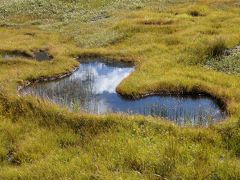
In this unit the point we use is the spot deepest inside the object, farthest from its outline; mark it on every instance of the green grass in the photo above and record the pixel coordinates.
(49, 142)
(169, 41)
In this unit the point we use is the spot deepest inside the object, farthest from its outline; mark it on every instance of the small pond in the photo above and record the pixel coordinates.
(92, 88)
(37, 55)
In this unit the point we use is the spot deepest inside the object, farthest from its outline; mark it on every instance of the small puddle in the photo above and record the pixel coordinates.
(37, 55)
(92, 88)
(14, 55)
(42, 56)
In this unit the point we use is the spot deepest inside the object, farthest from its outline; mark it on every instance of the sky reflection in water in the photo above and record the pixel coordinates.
(92, 88)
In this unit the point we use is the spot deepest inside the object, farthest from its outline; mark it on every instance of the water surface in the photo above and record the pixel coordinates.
(37, 55)
(92, 88)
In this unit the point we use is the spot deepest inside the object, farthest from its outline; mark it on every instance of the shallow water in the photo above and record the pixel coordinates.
(42, 56)
(92, 88)
(38, 55)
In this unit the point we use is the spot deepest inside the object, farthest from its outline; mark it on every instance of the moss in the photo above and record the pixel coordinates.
(228, 64)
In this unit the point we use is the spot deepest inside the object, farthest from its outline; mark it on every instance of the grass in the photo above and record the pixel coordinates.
(169, 46)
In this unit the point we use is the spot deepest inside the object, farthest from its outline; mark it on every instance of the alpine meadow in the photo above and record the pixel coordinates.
(181, 52)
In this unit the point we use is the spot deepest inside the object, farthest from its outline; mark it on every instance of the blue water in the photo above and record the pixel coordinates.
(92, 88)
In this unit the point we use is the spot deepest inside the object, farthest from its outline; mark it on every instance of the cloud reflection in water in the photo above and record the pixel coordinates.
(93, 88)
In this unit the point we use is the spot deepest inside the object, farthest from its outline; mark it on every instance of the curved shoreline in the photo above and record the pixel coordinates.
(222, 104)
(46, 79)
(194, 93)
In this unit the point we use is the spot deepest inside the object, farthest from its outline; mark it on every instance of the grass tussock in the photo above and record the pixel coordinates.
(216, 48)
(195, 13)
(203, 49)
(170, 49)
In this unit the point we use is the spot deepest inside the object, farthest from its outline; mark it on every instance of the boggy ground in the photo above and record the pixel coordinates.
(171, 43)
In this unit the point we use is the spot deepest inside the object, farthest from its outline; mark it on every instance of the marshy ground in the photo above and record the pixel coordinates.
(177, 47)
(92, 89)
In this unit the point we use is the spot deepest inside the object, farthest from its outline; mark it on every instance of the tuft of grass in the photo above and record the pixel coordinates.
(216, 48)
(195, 13)
(203, 49)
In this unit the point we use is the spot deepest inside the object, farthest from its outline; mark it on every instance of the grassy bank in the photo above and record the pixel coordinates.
(171, 43)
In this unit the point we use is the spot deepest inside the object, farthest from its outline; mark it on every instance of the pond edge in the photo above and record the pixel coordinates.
(194, 92)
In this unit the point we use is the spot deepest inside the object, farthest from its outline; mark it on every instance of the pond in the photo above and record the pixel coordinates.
(92, 89)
